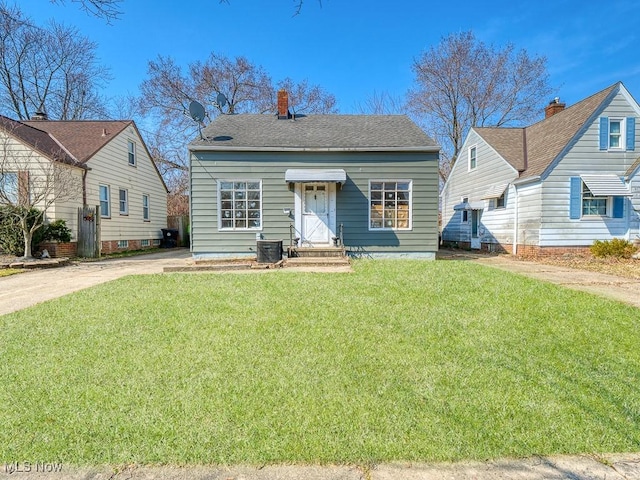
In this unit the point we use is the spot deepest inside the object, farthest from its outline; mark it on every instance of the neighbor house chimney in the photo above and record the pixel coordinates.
(283, 105)
(554, 107)
(40, 115)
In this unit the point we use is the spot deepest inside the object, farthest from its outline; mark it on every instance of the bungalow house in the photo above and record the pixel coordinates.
(112, 167)
(365, 183)
(553, 187)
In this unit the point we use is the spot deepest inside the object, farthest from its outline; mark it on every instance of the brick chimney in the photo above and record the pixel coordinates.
(554, 107)
(283, 105)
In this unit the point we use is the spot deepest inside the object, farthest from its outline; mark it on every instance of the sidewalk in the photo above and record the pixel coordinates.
(607, 467)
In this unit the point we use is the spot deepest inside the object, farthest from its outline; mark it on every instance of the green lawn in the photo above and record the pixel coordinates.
(400, 360)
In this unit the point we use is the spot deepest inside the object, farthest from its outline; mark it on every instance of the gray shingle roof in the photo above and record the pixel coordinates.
(340, 132)
(532, 149)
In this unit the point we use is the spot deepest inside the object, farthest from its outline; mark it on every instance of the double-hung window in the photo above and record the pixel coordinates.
(240, 205)
(617, 134)
(105, 203)
(473, 157)
(390, 204)
(132, 153)
(9, 188)
(592, 205)
(145, 207)
(124, 202)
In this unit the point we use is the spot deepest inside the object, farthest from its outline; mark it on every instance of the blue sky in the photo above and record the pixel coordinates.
(355, 47)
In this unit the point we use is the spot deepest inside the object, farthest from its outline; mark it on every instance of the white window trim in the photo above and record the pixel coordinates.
(145, 242)
(108, 200)
(471, 148)
(608, 203)
(123, 244)
(131, 143)
(622, 133)
(126, 201)
(12, 196)
(219, 200)
(382, 229)
(146, 218)
(464, 214)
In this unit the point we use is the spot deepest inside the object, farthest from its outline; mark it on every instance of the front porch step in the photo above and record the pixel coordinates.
(317, 262)
(316, 252)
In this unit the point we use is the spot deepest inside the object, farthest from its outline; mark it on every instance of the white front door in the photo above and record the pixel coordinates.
(315, 214)
(475, 229)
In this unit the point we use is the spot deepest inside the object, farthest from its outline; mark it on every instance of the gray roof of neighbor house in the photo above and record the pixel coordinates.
(532, 149)
(39, 140)
(314, 132)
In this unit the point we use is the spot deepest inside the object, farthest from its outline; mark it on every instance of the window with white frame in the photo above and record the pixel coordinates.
(145, 207)
(132, 152)
(9, 187)
(500, 201)
(240, 205)
(592, 205)
(105, 201)
(616, 139)
(144, 242)
(390, 205)
(464, 218)
(473, 157)
(156, 242)
(123, 243)
(124, 201)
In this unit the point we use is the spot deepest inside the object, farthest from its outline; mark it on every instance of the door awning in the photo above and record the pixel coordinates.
(479, 205)
(495, 191)
(606, 186)
(311, 175)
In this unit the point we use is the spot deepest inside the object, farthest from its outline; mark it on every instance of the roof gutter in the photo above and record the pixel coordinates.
(208, 148)
(524, 181)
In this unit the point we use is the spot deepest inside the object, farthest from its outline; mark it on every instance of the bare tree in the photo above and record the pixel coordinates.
(168, 91)
(31, 180)
(106, 9)
(462, 83)
(52, 70)
(382, 103)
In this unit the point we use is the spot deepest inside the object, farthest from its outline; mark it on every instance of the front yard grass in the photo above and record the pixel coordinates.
(400, 360)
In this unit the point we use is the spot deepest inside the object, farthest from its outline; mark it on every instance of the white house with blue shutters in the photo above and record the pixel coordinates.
(552, 187)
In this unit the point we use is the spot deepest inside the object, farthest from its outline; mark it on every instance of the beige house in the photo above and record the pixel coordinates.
(114, 169)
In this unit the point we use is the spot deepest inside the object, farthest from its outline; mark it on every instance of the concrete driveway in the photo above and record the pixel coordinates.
(625, 290)
(36, 286)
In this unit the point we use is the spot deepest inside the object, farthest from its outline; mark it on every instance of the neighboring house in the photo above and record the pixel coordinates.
(311, 181)
(553, 187)
(115, 171)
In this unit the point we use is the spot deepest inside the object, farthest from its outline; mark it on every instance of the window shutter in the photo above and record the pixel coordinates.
(604, 133)
(23, 188)
(618, 207)
(575, 207)
(631, 133)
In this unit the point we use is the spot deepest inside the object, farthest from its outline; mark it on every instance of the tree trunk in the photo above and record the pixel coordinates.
(28, 237)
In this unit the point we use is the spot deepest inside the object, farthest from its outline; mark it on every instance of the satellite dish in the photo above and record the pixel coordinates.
(221, 100)
(196, 110)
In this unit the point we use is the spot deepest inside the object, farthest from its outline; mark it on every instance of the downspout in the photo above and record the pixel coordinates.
(84, 186)
(515, 223)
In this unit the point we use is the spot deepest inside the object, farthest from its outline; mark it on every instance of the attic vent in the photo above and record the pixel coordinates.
(104, 132)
